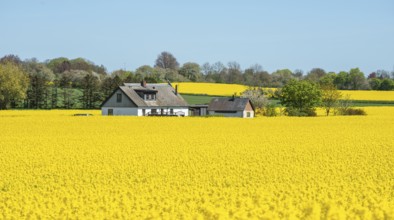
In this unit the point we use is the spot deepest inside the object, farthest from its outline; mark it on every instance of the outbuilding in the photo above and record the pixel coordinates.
(231, 107)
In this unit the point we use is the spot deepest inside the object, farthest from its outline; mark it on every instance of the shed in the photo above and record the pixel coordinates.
(231, 107)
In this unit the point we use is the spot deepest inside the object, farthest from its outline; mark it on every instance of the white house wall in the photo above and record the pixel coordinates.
(166, 110)
(138, 111)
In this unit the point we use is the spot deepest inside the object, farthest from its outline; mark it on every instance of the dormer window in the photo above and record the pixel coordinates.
(150, 97)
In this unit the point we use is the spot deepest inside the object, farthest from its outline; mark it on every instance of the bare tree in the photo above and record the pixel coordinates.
(330, 97)
(166, 60)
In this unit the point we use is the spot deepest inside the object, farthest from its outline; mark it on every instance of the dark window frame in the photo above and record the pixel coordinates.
(119, 97)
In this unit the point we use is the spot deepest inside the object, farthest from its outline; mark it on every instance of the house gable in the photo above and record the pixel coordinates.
(113, 100)
(249, 106)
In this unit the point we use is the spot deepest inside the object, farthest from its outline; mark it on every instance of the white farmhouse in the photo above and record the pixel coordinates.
(142, 99)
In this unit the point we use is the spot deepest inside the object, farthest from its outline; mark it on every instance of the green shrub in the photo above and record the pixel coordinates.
(270, 110)
(300, 112)
(352, 111)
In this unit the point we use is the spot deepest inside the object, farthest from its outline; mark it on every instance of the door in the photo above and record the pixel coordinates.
(110, 111)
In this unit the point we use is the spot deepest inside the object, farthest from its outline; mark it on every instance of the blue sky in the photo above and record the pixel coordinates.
(334, 35)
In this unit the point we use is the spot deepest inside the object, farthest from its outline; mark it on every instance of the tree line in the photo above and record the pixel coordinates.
(80, 83)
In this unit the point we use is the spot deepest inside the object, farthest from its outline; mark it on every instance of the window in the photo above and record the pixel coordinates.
(143, 112)
(248, 114)
(110, 111)
(171, 111)
(154, 111)
(150, 96)
(118, 97)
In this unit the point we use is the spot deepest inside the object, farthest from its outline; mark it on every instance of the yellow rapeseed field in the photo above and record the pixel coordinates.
(230, 89)
(57, 166)
(370, 95)
(210, 88)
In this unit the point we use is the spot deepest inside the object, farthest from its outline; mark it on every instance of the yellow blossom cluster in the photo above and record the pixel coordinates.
(57, 166)
(231, 89)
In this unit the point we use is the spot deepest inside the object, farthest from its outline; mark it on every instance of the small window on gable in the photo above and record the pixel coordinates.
(119, 97)
(248, 115)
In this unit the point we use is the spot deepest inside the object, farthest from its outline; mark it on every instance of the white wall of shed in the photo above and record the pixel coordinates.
(245, 114)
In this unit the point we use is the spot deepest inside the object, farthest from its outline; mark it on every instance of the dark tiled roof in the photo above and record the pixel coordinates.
(133, 96)
(165, 96)
(228, 104)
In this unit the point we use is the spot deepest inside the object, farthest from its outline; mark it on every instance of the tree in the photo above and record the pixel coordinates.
(387, 84)
(251, 75)
(281, 77)
(59, 65)
(122, 75)
(356, 79)
(330, 97)
(298, 74)
(166, 60)
(191, 71)
(375, 83)
(11, 58)
(13, 84)
(81, 64)
(315, 74)
(206, 69)
(66, 84)
(383, 74)
(300, 97)
(40, 78)
(149, 73)
(219, 72)
(341, 80)
(234, 73)
(256, 96)
(91, 95)
(171, 75)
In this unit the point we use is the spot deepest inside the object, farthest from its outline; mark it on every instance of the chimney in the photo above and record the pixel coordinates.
(233, 99)
(176, 89)
(143, 83)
